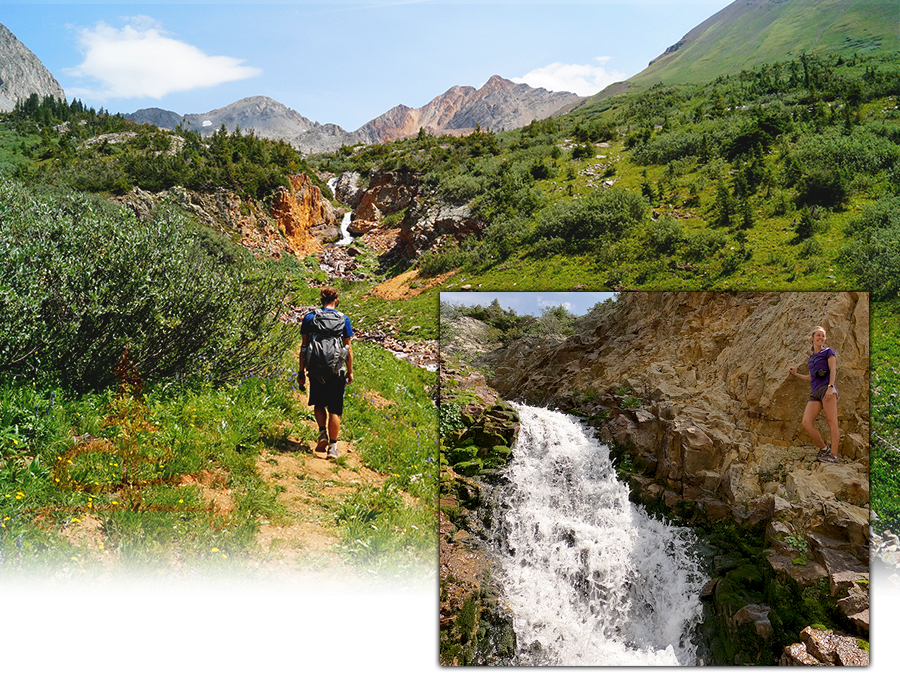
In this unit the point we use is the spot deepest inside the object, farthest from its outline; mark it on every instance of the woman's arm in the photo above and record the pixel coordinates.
(793, 371)
(832, 377)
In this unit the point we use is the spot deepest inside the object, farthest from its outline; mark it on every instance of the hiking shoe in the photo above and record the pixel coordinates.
(322, 444)
(333, 450)
(825, 455)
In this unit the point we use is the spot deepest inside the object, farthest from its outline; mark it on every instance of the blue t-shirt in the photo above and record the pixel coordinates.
(819, 373)
(307, 319)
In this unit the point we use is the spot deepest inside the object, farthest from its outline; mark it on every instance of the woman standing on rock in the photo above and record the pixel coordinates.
(823, 395)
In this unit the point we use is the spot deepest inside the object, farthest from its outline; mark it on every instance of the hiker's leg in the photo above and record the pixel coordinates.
(829, 403)
(321, 416)
(334, 426)
(809, 423)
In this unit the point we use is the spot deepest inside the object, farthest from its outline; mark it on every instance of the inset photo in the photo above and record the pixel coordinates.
(645, 479)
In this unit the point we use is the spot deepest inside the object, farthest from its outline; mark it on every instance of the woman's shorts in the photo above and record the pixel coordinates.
(819, 393)
(328, 393)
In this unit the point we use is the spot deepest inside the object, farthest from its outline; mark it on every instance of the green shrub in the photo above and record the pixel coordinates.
(704, 244)
(82, 280)
(873, 255)
(581, 222)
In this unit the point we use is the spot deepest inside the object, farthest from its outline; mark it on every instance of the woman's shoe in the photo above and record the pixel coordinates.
(825, 455)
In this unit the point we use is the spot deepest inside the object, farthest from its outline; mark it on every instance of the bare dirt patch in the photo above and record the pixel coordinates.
(213, 491)
(400, 286)
(85, 531)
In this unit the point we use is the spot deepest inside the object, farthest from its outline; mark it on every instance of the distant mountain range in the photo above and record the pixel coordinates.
(745, 33)
(499, 105)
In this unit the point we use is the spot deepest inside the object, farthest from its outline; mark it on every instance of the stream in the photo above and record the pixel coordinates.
(346, 238)
(590, 578)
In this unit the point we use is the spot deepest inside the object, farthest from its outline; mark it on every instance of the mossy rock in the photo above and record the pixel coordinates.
(501, 454)
(462, 454)
(470, 468)
(747, 575)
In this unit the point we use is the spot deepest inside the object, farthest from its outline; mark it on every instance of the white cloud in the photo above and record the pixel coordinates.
(553, 303)
(141, 60)
(581, 79)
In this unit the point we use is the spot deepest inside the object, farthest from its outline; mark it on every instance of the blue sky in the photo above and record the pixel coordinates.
(343, 63)
(529, 303)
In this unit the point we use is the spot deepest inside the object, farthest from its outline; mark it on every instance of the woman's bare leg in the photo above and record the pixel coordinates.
(829, 403)
(809, 422)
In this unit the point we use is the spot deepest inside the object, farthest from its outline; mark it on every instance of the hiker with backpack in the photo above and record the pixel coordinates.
(327, 359)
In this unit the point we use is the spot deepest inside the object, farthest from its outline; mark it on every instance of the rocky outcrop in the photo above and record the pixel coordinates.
(22, 73)
(697, 390)
(222, 210)
(426, 223)
(389, 192)
(296, 215)
(819, 647)
(299, 210)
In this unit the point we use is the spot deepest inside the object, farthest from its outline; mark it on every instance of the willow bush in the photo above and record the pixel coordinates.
(81, 280)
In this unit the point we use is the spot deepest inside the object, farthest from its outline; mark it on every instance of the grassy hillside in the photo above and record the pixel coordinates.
(746, 34)
(774, 178)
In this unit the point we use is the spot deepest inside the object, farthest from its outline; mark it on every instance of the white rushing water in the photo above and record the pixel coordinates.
(346, 238)
(590, 578)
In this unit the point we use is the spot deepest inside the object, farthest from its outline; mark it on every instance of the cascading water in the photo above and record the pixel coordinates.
(590, 578)
(346, 238)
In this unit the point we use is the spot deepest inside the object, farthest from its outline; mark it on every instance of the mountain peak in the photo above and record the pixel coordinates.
(22, 73)
(500, 104)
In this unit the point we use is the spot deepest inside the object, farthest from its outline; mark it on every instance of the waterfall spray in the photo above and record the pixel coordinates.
(591, 579)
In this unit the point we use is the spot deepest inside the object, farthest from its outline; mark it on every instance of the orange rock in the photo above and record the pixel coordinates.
(297, 210)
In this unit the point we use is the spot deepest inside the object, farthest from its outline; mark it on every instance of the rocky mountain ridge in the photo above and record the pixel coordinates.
(498, 105)
(22, 73)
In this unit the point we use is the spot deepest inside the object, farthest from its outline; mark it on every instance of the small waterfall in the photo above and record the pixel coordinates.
(348, 217)
(590, 578)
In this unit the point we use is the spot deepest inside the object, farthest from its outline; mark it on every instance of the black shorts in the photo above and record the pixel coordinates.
(328, 393)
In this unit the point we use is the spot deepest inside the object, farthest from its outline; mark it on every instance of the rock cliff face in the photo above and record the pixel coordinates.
(22, 73)
(297, 215)
(300, 210)
(426, 223)
(693, 391)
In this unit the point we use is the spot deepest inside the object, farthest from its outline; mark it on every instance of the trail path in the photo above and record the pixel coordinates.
(311, 487)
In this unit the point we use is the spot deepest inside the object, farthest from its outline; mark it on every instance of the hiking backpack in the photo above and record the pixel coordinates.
(325, 351)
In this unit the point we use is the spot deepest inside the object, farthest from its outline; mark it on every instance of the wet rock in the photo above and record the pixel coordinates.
(758, 617)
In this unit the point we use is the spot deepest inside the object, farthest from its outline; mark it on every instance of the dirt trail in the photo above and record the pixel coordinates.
(310, 486)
